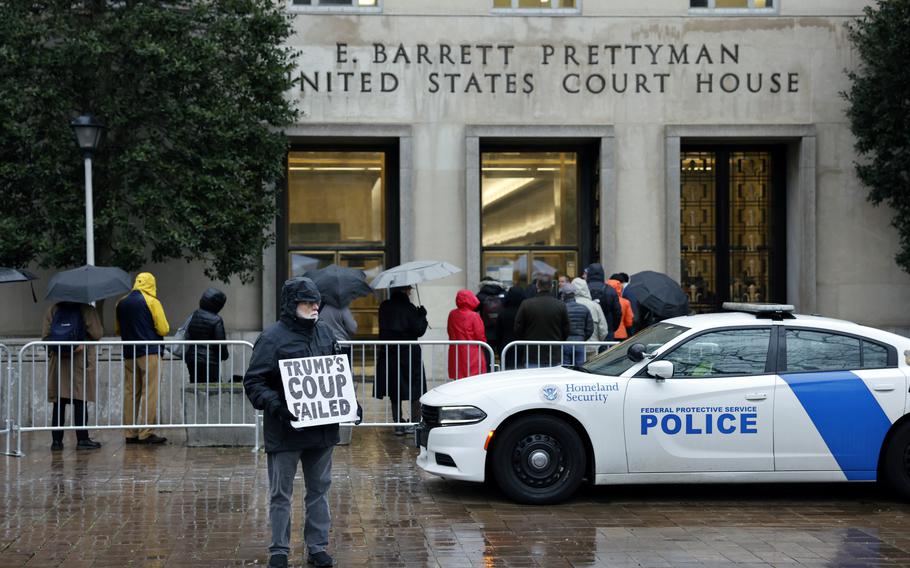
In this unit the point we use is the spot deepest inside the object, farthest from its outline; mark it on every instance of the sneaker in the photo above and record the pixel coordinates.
(153, 439)
(56, 446)
(320, 558)
(87, 444)
(132, 440)
(278, 561)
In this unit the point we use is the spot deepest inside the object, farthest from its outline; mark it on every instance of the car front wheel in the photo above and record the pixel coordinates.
(538, 460)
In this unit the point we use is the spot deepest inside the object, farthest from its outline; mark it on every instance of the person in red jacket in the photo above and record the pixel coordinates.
(627, 316)
(466, 324)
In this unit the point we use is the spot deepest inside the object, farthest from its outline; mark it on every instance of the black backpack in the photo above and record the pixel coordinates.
(66, 325)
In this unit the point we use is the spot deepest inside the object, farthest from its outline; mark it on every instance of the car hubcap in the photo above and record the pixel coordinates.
(538, 461)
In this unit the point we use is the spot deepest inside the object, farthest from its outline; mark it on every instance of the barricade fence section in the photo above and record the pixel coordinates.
(533, 354)
(6, 389)
(390, 376)
(136, 386)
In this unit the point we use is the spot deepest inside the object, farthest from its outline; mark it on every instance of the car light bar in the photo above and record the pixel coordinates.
(772, 311)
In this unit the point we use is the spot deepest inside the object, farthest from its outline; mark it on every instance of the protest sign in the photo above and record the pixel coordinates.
(319, 390)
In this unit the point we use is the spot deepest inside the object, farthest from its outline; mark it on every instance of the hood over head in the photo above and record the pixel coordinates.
(616, 285)
(595, 273)
(145, 282)
(212, 300)
(514, 296)
(466, 300)
(567, 291)
(296, 290)
(581, 288)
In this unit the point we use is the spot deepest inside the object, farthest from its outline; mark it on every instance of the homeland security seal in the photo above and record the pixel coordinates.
(549, 393)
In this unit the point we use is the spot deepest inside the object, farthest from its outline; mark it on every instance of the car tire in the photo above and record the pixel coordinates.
(538, 460)
(896, 463)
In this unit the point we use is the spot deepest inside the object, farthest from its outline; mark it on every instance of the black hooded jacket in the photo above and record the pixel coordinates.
(207, 324)
(288, 338)
(605, 296)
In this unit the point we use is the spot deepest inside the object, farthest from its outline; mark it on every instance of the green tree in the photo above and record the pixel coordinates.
(193, 95)
(879, 110)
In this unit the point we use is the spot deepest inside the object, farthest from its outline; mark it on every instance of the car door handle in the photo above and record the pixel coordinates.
(884, 387)
(756, 395)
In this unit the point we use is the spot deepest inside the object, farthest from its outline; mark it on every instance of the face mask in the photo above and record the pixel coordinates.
(311, 316)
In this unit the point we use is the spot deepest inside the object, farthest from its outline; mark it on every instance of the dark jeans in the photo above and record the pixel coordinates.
(396, 409)
(58, 413)
(202, 372)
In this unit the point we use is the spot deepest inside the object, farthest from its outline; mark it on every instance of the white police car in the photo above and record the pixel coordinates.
(757, 395)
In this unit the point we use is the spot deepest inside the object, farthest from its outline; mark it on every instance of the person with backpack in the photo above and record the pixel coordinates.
(605, 296)
(71, 369)
(140, 317)
(203, 362)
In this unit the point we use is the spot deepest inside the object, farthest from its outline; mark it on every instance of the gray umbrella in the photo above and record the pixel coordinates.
(87, 284)
(18, 275)
(339, 285)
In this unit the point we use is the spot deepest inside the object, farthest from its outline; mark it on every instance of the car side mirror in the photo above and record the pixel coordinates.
(661, 370)
(636, 352)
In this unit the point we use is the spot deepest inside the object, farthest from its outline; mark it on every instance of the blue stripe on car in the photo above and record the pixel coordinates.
(846, 414)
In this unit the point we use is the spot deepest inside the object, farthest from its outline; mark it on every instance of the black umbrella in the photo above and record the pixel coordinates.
(87, 284)
(18, 275)
(338, 285)
(659, 293)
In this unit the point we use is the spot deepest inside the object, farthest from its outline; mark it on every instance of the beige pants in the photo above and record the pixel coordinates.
(140, 378)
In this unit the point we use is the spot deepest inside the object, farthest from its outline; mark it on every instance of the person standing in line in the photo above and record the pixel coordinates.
(581, 326)
(505, 327)
(342, 324)
(627, 319)
(203, 362)
(140, 317)
(297, 333)
(605, 296)
(542, 318)
(583, 297)
(633, 301)
(465, 324)
(71, 372)
(490, 299)
(399, 368)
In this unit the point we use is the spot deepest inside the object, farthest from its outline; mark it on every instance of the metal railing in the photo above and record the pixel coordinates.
(531, 354)
(404, 370)
(129, 385)
(6, 391)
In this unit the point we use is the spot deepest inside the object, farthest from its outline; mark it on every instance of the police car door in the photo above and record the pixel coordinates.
(714, 414)
(839, 393)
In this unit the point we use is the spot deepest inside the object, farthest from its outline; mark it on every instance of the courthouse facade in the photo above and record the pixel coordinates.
(702, 138)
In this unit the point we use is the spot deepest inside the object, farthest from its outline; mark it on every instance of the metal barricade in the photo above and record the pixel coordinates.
(6, 395)
(531, 354)
(131, 385)
(404, 370)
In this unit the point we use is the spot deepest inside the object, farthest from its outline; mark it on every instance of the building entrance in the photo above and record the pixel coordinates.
(732, 225)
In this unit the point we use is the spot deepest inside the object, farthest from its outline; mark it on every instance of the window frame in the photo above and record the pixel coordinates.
(553, 10)
(771, 357)
(751, 10)
(891, 351)
(316, 7)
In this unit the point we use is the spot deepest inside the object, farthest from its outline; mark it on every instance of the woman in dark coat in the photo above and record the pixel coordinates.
(399, 368)
(505, 327)
(203, 361)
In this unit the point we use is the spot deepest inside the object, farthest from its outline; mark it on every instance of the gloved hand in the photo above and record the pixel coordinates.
(280, 412)
(422, 310)
(359, 415)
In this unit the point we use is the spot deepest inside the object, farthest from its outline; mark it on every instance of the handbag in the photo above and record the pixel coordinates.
(178, 350)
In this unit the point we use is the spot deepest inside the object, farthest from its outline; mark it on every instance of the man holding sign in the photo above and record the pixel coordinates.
(297, 376)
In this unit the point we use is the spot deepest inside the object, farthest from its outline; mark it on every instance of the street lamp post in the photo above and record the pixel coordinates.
(88, 131)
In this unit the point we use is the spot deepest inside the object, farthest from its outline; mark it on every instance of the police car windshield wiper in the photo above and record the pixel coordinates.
(578, 368)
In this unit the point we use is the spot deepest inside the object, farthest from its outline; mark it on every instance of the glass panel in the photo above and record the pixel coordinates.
(510, 268)
(818, 351)
(535, 4)
(366, 2)
(366, 309)
(750, 226)
(731, 3)
(334, 2)
(615, 361)
(336, 197)
(301, 2)
(734, 352)
(300, 262)
(529, 198)
(566, 3)
(874, 356)
(502, 3)
(554, 264)
(698, 3)
(698, 220)
(763, 3)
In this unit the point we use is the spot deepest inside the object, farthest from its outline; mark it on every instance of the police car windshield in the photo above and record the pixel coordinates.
(614, 361)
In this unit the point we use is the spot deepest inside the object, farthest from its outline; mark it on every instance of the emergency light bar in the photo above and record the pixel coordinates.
(771, 311)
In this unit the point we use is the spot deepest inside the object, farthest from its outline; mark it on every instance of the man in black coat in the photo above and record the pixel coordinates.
(297, 333)
(605, 296)
(203, 362)
(542, 318)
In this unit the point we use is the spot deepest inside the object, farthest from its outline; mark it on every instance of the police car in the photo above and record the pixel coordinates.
(754, 395)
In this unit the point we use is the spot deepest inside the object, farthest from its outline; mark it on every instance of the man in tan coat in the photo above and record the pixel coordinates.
(71, 372)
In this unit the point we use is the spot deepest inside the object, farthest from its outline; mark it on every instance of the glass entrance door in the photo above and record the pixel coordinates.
(732, 229)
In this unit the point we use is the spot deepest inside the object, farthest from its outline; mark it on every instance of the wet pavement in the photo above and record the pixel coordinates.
(174, 506)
